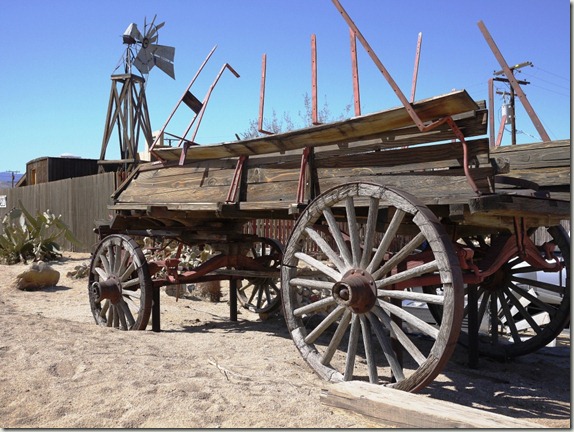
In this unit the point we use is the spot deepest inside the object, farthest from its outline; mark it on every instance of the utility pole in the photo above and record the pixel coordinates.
(511, 117)
(13, 176)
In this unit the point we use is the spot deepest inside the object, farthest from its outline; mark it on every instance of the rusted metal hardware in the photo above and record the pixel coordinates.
(233, 193)
(109, 289)
(303, 175)
(356, 290)
(199, 116)
(186, 96)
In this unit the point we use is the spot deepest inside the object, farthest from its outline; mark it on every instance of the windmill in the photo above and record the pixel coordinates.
(127, 107)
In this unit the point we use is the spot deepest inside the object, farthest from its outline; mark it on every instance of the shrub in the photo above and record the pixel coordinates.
(26, 237)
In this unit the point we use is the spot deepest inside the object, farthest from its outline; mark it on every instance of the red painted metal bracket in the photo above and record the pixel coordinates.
(236, 181)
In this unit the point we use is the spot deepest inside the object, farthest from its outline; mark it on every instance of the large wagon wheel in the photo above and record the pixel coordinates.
(343, 307)
(521, 308)
(120, 286)
(262, 295)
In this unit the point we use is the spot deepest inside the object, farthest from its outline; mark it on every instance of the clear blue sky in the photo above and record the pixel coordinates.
(58, 55)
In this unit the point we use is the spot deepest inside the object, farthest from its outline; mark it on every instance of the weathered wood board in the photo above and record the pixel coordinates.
(363, 127)
(396, 408)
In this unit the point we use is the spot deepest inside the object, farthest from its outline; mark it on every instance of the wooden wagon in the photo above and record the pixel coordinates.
(384, 218)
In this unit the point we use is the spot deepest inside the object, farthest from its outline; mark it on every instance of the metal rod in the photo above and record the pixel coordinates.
(199, 116)
(515, 85)
(162, 130)
(416, 68)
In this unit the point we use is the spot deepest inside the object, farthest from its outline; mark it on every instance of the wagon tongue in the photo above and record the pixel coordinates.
(356, 290)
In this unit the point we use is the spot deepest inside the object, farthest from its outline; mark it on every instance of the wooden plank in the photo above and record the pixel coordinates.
(537, 155)
(512, 205)
(396, 408)
(344, 131)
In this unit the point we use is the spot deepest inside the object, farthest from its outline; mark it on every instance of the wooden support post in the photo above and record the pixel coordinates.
(262, 96)
(416, 68)
(233, 299)
(473, 326)
(314, 103)
(355, 69)
(155, 311)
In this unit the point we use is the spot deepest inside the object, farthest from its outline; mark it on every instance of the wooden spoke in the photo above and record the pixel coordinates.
(522, 310)
(509, 319)
(385, 343)
(371, 365)
(337, 337)
(411, 319)
(115, 259)
(262, 295)
(370, 232)
(337, 235)
(327, 271)
(429, 267)
(352, 348)
(386, 241)
(411, 295)
(326, 323)
(346, 322)
(557, 289)
(533, 299)
(326, 249)
(311, 283)
(401, 336)
(353, 231)
(317, 306)
(400, 256)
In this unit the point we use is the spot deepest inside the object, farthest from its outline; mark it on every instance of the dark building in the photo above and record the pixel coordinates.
(49, 169)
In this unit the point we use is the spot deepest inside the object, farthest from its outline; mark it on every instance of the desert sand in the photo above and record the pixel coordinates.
(58, 369)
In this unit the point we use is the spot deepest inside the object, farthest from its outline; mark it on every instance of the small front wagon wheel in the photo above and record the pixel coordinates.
(350, 263)
(120, 286)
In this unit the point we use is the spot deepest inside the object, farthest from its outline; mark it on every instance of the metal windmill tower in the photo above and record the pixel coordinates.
(127, 107)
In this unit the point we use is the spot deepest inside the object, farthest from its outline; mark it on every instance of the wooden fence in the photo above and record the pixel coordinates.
(81, 201)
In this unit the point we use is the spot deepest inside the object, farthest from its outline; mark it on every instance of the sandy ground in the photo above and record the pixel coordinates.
(60, 370)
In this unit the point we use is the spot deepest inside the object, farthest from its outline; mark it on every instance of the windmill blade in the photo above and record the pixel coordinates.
(163, 51)
(165, 66)
(144, 61)
(152, 35)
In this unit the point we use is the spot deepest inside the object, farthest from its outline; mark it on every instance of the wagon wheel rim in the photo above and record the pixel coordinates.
(341, 330)
(262, 295)
(120, 286)
(518, 313)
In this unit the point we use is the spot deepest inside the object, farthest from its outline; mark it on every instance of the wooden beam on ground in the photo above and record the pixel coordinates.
(396, 408)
